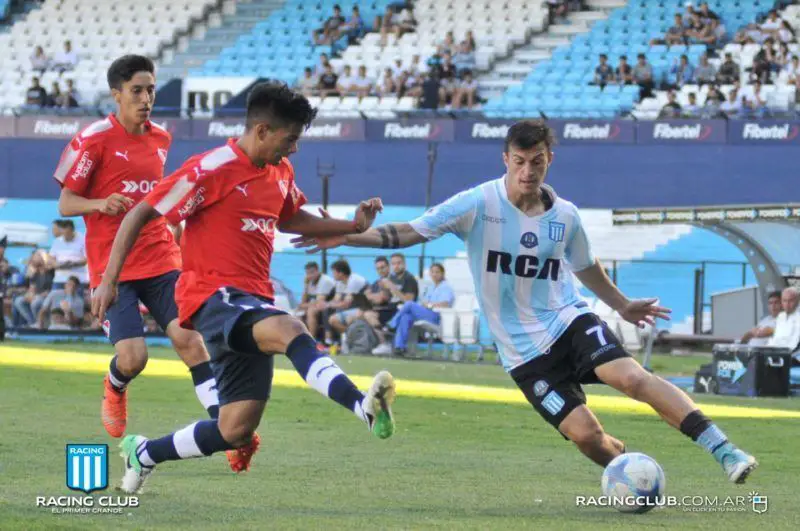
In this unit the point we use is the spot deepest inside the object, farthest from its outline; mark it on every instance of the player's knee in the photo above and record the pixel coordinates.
(131, 360)
(588, 436)
(633, 383)
(190, 347)
(279, 334)
(237, 435)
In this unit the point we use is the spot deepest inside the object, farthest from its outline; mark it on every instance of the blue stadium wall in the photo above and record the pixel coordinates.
(601, 176)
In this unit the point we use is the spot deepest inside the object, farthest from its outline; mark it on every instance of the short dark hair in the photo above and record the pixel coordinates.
(641, 56)
(65, 224)
(312, 265)
(275, 103)
(381, 259)
(623, 57)
(525, 134)
(774, 294)
(399, 255)
(57, 311)
(603, 56)
(342, 267)
(125, 67)
(440, 266)
(74, 279)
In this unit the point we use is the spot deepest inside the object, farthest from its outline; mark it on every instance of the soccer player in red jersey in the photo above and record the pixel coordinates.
(104, 171)
(233, 198)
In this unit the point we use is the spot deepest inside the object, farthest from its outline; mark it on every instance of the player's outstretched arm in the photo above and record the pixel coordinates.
(308, 224)
(104, 295)
(389, 236)
(638, 311)
(72, 204)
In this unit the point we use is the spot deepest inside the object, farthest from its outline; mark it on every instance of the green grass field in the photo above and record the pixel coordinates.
(452, 464)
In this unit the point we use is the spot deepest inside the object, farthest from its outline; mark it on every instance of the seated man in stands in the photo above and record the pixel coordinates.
(672, 109)
(787, 324)
(603, 73)
(381, 310)
(729, 71)
(438, 295)
(762, 332)
(466, 91)
(318, 290)
(676, 34)
(329, 32)
(69, 300)
(350, 289)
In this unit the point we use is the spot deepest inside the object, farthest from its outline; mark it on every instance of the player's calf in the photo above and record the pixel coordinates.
(582, 428)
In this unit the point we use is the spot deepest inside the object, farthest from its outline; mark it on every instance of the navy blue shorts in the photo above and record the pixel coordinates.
(123, 319)
(226, 323)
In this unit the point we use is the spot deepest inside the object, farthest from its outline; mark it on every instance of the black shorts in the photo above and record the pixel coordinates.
(123, 318)
(552, 382)
(226, 323)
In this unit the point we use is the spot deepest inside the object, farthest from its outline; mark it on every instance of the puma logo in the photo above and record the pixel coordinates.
(122, 155)
(242, 188)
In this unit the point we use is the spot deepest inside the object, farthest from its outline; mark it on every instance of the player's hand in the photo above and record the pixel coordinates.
(116, 204)
(102, 297)
(314, 244)
(366, 213)
(641, 311)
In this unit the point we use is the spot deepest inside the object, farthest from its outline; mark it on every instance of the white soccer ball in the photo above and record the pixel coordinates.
(633, 483)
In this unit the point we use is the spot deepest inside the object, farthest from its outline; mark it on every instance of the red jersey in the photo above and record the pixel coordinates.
(232, 208)
(103, 159)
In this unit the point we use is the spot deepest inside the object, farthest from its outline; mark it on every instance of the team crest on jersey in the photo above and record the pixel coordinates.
(107, 327)
(557, 231)
(162, 154)
(529, 240)
(540, 388)
(284, 186)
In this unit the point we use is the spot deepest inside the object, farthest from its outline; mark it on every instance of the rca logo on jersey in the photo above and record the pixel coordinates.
(681, 132)
(774, 132)
(131, 187)
(83, 167)
(525, 266)
(262, 225)
(192, 203)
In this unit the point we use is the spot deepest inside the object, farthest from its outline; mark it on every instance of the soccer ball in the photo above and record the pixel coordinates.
(633, 483)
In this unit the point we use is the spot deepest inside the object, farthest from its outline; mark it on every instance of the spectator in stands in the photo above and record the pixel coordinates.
(464, 59)
(346, 82)
(387, 86)
(676, 34)
(691, 109)
(55, 95)
(469, 38)
(643, 75)
(70, 98)
(439, 295)
(35, 96)
(763, 63)
(66, 60)
(318, 290)
(711, 109)
(308, 83)
(729, 71)
(38, 281)
(323, 64)
(791, 70)
(397, 24)
(772, 25)
(714, 95)
(417, 67)
(363, 83)
(354, 28)
(431, 91)
(733, 106)
(760, 334)
(69, 300)
(556, 10)
(329, 32)
(705, 73)
(707, 33)
(603, 73)
(787, 324)
(6, 271)
(402, 284)
(623, 74)
(410, 83)
(706, 14)
(682, 72)
(786, 34)
(672, 109)
(782, 57)
(328, 82)
(449, 44)
(434, 62)
(380, 309)
(349, 288)
(465, 92)
(448, 77)
(754, 102)
(58, 320)
(67, 256)
(39, 61)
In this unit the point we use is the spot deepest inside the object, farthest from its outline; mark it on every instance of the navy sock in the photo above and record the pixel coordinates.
(205, 386)
(202, 438)
(117, 380)
(322, 373)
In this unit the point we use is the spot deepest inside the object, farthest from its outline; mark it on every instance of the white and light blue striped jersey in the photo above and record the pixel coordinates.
(521, 265)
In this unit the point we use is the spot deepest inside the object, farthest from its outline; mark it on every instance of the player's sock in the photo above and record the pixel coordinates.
(202, 438)
(704, 432)
(322, 373)
(117, 380)
(205, 386)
